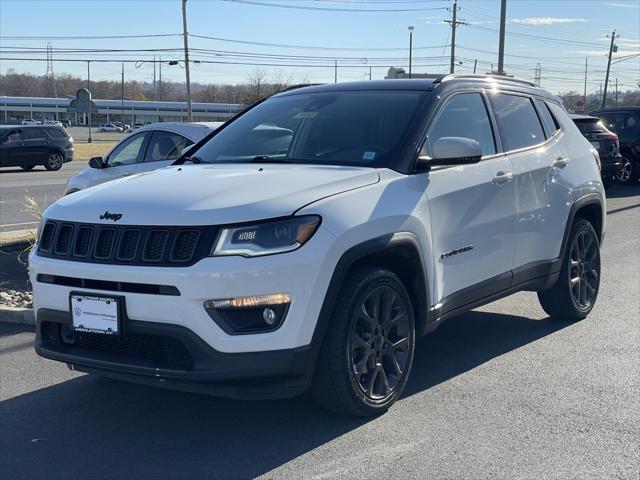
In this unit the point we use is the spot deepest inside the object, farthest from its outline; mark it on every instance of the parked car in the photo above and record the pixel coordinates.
(30, 121)
(257, 268)
(123, 126)
(148, 148)
(137, 125)
(625, 122)
(52, 122)
(66, 123)
(605, 142)
(28, 146)
(108, 127)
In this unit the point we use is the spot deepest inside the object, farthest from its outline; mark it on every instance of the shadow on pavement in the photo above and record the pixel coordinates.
(619, 191)
(96, 428)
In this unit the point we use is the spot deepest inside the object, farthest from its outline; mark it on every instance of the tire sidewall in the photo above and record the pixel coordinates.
(580, 226)
(375, 280)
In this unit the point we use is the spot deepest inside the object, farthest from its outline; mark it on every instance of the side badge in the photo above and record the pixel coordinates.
(456, 252)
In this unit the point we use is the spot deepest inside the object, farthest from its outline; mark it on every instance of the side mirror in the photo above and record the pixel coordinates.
(96, 162)
(449, 151)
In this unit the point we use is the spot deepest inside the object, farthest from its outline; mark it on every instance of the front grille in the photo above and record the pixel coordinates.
(125, 244)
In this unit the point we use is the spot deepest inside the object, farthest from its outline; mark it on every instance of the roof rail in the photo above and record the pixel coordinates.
(502, 78)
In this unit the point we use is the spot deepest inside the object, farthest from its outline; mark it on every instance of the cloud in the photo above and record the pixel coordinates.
(624, 5)
(546, 20)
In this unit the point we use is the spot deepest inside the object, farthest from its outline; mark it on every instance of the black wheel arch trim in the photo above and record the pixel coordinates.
(588, 199)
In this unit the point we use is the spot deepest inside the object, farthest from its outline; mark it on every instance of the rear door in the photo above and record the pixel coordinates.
(163, 149)
(471, 208)
(540, 164)
(34, 146)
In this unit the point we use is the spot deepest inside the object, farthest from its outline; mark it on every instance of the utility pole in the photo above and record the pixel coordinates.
(186, 59)
(155, 92)
(410, 48)
(475, 64)
(369, 72)
(89, 140)
(616, 91)
(454, 23)
(503, 21)
(537, 76)
(586, 66)
(335, 71)
(122, 96)
(160, 80)
(606, 79)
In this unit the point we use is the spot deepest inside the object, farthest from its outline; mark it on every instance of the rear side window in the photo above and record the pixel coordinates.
(56, 132)
(32, 133)
(465, 115)
(625, 124)
(518, 121)
(165, 146)
(550, 124)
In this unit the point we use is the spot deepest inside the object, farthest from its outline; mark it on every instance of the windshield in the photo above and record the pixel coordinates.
(336, 128)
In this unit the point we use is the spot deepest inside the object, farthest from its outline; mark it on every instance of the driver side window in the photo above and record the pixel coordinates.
(465, 115)
(127, 152)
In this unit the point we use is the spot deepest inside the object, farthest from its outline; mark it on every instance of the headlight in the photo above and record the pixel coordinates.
(266, 238)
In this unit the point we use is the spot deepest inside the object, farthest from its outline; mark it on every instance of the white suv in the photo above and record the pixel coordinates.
(308, 242)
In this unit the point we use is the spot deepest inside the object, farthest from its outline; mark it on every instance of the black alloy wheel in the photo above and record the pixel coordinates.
(584, 269)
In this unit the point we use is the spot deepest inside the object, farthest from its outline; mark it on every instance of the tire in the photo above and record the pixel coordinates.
(27, 168)
(576, 291)
(54, 161)
(629, 173)
(367, 353)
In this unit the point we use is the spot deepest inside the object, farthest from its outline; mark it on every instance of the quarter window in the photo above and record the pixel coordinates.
(518, 121)
(166, 146)
(550, 124)
(465, 115)
(32, 134)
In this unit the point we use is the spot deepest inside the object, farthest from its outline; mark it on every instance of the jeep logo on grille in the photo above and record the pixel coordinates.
(111, 216)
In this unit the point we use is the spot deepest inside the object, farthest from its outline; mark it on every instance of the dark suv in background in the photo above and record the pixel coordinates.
(28, 146)
(607, 144)
(625, 121)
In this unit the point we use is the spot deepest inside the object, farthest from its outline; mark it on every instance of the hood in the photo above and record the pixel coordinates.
(210, 194)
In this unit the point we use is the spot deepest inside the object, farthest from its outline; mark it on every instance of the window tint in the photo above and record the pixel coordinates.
(165, 146)
(588, 127)
(550, 124)
(518, 120)
(127, 152)
(56, 132)
(32, 134)
(465, 115)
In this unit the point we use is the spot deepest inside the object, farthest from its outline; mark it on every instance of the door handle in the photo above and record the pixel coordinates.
(560, 162)
(502, 177)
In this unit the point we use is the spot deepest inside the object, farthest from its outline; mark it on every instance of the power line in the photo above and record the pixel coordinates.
(330, 9)
(87, 37)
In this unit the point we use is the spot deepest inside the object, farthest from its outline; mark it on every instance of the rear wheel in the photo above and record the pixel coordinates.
(629, 172)
(54, 161)
(575, 293)
(368, 350)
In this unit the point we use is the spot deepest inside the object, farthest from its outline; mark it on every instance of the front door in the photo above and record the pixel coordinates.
(122, 160)
(471, 210)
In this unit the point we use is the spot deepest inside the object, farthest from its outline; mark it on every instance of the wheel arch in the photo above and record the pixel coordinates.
(590, 208)
(400, 253)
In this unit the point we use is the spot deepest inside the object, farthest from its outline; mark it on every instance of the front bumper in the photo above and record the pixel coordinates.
(172, 356)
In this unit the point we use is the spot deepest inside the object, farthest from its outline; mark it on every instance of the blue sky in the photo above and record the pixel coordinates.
(571, 30)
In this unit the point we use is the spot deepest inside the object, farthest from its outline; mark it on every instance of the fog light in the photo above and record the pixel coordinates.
(269, 316)
(253, 314)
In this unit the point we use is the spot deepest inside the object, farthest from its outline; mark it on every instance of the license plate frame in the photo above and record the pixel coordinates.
(101, 314)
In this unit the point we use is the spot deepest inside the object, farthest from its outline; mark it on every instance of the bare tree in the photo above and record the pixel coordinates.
(256, 85)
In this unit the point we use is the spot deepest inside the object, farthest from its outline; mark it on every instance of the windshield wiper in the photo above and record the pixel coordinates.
(268, 159)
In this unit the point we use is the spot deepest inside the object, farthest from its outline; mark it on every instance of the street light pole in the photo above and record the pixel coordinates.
(503, 21)
(410, 48)
(186, 59)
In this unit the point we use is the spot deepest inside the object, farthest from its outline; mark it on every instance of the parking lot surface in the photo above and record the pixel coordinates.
(500, 392)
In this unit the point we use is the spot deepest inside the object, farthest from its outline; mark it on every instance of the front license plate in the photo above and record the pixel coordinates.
(595, 145)
(95, 314)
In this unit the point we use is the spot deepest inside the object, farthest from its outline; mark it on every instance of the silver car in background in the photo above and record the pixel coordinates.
(148, 148)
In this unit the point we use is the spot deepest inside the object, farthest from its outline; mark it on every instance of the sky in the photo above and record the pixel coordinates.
(304, 38)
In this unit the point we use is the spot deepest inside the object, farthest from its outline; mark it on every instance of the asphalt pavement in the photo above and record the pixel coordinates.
(44, 186)
(501, 392)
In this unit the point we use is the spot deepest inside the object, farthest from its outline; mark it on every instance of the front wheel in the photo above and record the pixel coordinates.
(54, 161)
(575, 293)
(368, 349)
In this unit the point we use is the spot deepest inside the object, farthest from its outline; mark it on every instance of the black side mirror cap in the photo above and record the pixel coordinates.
(450, 151)
(96, 162)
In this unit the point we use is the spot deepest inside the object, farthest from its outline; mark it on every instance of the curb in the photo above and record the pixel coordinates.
(23, 316)
(18, 237)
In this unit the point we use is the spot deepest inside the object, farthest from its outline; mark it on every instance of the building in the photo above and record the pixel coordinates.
(15, 109)
(395, 72)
